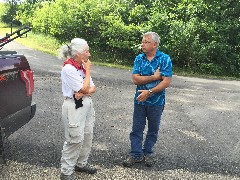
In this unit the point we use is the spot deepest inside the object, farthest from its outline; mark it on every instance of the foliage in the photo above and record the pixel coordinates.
(8, 12)
(200, 35)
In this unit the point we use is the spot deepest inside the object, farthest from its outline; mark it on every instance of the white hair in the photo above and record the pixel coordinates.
(155, 37)
(70, 51)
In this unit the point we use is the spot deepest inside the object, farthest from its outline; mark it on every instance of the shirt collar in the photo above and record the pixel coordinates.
(158, 53)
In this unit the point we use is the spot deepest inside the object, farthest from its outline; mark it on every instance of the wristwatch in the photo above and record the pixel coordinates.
(150, 91)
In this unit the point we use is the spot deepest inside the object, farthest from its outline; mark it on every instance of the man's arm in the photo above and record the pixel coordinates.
(140, 80)
(160, 87)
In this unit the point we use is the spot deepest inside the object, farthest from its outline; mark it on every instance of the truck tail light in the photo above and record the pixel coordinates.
(27, 77)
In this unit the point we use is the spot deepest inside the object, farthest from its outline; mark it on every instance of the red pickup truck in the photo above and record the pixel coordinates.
(16, 87)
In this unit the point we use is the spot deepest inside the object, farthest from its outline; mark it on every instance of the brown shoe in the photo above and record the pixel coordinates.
(87, 169)
(67, 177)
(149, 160)
(131, 161)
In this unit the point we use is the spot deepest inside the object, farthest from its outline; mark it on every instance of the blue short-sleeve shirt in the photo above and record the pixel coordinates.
(144, 67)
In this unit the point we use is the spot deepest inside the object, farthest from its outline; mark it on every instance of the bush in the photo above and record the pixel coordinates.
(200, 35)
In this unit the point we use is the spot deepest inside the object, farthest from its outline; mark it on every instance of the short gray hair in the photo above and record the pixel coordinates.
(70, 51)
(155, 37)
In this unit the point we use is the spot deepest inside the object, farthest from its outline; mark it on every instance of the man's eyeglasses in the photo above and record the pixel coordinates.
(146, 42)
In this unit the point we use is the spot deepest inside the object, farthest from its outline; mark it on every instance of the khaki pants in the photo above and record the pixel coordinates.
(78, 127)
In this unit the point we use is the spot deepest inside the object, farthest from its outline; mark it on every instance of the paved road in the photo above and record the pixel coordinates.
(199, 136)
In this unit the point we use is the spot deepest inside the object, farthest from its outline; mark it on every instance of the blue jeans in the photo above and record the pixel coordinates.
(140, 115)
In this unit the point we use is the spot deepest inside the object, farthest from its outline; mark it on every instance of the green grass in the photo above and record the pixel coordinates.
(46, 44)
(189, 73)
(39, 42)
(50, 45)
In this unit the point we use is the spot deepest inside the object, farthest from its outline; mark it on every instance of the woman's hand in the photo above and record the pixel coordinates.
(78, 95)
(87, 65)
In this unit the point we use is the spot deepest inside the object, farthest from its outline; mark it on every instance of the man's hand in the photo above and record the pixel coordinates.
(157, 74)
(143, 96)
(140, 80)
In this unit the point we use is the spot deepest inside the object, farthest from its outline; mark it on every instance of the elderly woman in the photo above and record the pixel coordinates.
(77, 110)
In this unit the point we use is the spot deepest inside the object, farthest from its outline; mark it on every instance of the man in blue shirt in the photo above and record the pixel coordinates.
(152, 73)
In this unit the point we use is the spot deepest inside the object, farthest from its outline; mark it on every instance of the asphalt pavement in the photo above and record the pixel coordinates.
(199, 136)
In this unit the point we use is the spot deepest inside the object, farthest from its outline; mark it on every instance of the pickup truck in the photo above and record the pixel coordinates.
(16, 88)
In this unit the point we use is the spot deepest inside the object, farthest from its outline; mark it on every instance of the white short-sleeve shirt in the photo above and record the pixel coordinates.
(72, 80)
